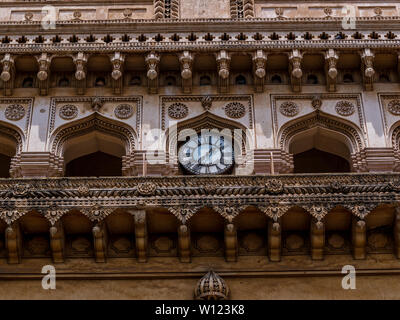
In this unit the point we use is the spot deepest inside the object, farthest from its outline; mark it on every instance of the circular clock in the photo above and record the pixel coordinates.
(206, 154)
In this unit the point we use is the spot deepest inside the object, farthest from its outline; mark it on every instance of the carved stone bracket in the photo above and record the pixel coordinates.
(100, 241)
(295, 71)
(97, 212)
(57, 242)
(229, 212)
(186, 59)
(317, 235)
(13, 243)
(8, 74)
(318, 211)
(223, 59)
(43, 74)
(140, 234)
(184, 243)
(231, 246)
(54, 214)
(367, 69)
(360, 210)
(259, 64)
(117, 61)
(152, 61)
(80, 60)
(359, 238)
(331, 72)
(274, 211)
(183, 213)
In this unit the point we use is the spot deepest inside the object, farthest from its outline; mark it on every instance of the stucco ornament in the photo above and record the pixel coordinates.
(178, 110)
(146, 188)
(235, 110)
(123, 111)
(206, 103)
(15, 112)
(394, 107)
(127, 13)
(316, 103)
(28, 16)
(345, 108)
(68, 112)
(211, 287)
(289, 109)
(274, 186)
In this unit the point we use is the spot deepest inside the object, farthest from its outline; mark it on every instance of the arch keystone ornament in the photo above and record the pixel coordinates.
(211, 287)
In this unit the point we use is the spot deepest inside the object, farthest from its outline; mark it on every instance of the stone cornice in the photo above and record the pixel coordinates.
(207, 46)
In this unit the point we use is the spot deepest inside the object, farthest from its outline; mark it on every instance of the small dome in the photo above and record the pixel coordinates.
(211, 287)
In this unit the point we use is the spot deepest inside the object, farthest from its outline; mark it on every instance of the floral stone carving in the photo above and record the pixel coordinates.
(394, 107)
(345, 108)
(123, 111)
(15, 112)
(178, 110)
(68, 112)
(235, 110)
(289, 109)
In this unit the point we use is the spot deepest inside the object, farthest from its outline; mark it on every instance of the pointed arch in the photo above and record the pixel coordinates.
(209, 121)
(394, 133)
(13, 137)
(344, 130)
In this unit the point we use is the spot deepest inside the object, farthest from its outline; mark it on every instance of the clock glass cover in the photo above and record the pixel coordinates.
(206, 154)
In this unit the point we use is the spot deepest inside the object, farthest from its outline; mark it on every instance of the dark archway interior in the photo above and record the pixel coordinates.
(317, 161)
(5, 163)
(97, 164)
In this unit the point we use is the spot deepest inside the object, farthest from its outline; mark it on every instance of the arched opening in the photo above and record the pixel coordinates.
(8, 149)
(205, 81)
(320, 150)
(100, 82)
(94, 155)
(27, 82)
(338, 231)
(348, 78)
(312, 79)
(276, 79)
(296, 232)
(120, 229)
(240, 80)
(63, 82)
(135, 81)
(93, 146)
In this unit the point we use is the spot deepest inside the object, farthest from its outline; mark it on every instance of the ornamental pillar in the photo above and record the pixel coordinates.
(367, 69)
(295, 71)
(13, 243)
(152, 61)
(317, 235)
(223, 59)
(259, 64)
(186, 60)
(57, 242)
(43, 74)
(331, 72)
(184, 245)
(274, 240)
(359, 238)
(231, 247)
(117, 61)
(80, 60)
(8, 74)
(100, 242)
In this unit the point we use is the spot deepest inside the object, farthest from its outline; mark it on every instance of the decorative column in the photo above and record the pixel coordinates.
(331, 72)
(13, 243)
(57, 242)
(396, 231)
(140, 234)
(100, 242)
(231, 248)
(43, 75)
(8, 74)
(259, 64)
(295, 59)
(367, 69)
(359, 238)
(152, 61)
(274, 240)
(186, 60)
(317, 235)
(80, 60)
(117, 61)
(223, 62)
(184, 243)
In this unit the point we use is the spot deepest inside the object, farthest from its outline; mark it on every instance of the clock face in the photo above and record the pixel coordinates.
(206, 154)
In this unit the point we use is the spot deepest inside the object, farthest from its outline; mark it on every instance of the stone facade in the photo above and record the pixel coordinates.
(127, 79)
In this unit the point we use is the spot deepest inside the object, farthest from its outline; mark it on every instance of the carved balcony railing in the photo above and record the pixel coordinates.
(185, 195)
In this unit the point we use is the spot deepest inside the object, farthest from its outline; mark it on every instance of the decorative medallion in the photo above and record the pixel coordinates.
(328, 11)
(77, 14)
(289, 109)
(345, 108)
(68, 112)
(235, 110)
(279, 12)
(178, 111)
(394, 107)
(146, 188)
(274, 186)
(378, 11)
(123, 111)
(127, 13)
(15, 112)
(84, 190)
(97, 103)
